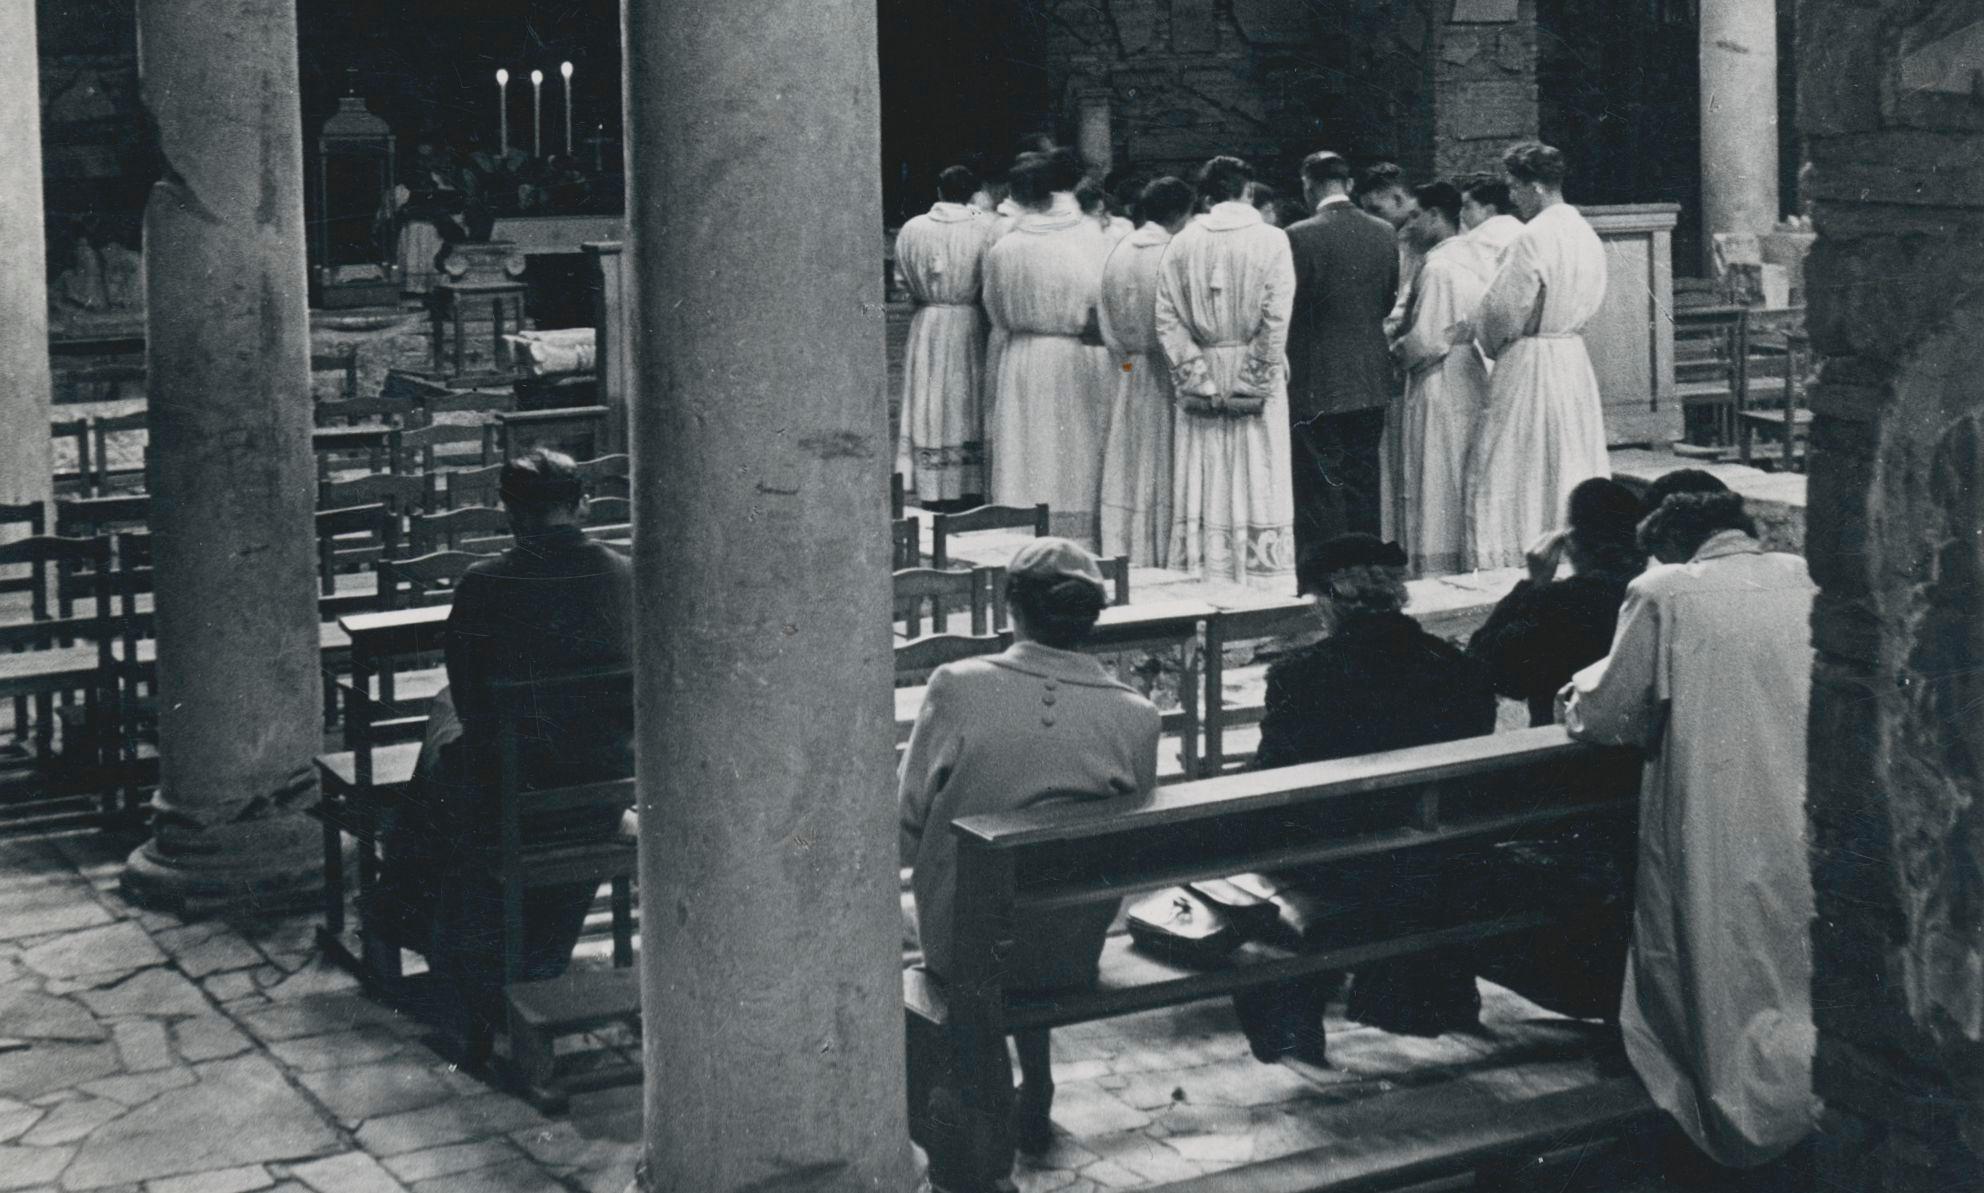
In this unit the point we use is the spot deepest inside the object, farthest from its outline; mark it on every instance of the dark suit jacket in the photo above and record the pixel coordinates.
(1346, 279)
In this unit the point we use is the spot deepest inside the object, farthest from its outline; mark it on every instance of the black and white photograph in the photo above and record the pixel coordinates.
(1422, 562)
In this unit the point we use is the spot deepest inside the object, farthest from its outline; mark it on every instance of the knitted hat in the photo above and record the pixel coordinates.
(1050, 558)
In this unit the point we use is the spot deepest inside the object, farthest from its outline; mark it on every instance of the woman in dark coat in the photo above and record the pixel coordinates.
(1377, 682)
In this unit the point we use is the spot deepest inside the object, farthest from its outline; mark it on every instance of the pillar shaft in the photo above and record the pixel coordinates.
(1739, 116)
(25, 460)
(771, 935)
(228, 347)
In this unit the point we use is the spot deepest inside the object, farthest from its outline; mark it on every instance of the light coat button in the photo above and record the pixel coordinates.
(1048, 722)
(1048, 698)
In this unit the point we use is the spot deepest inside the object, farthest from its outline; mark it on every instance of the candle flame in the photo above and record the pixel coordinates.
(502, 77)
(536, 78)
(565, 68)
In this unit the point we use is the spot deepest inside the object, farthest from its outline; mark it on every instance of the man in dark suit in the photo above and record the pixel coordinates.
(1340, 370)
(555, 602)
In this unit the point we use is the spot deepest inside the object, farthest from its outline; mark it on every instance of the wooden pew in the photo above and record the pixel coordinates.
(1442, 798)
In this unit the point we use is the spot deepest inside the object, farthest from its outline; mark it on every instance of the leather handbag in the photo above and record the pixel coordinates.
(1201, 922)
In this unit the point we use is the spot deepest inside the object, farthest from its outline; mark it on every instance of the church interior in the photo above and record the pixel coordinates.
(297, 283)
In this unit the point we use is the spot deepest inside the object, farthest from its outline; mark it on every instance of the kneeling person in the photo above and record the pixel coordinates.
(554, 603)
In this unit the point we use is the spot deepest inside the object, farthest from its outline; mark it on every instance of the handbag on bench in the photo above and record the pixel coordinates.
(1201, 922)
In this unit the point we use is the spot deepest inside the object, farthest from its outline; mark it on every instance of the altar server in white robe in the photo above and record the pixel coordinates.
(1710, 673)
(1004, 216)
(1544, 429)
(1136, 456)
(1043, 280)
(939, 451)
(1487, 220)
(1446, 386)
(1110, 231)
(1225, 290)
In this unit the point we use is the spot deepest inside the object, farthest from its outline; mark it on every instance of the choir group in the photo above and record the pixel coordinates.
(1203, 389)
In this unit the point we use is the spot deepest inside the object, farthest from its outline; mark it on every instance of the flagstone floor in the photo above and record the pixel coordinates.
(140, 1054)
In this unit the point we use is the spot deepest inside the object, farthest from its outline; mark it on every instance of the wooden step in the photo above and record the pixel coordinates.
(576, 1001)
(1395, 1157)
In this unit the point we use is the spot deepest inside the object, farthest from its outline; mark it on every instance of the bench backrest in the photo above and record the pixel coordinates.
(1472, 793)
(434, 532)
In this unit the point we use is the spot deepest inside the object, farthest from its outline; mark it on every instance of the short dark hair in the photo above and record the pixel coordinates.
(1028, 180)
(1441, 197)
(1059, 610)
(1489, 190)
(1065, 169)
(1263, 195)
(541, 481)
(1091, 197)
(1323, 166)
(1224, 179)
(1681, 480)
(1533, 161)
(1165, 199)
(1383, 176)
(957, 184)
(1687, 520)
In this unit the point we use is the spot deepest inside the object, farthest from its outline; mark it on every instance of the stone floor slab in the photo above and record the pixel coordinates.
(518, 1176)
(138, 1088)
(76, 911)
(227, 1180)
(143, 1045)
(360, 1046)
(239, 1112)
(208, 1037)
(16, 1118)
(108, 949)
(314, 1016)
(31, 1015)
(71, 1121)
(1083, 1110)
(352, 1172)
(477, 1117)
(448, 1160)
(48, 1067)
(32, 1167)
(156, 991)
(361, 1092)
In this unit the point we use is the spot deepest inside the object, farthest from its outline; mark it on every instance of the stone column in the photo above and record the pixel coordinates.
(26, 461)
(770, 929)
(228, 344)
(1094, 131)
(1739, 117)
(1896, 541)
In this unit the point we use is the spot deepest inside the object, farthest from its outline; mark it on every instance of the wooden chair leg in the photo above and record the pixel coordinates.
(536, 1060)
(623, 921)
(333, 877)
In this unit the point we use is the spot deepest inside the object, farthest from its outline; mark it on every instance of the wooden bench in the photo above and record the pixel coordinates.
(1447, 798)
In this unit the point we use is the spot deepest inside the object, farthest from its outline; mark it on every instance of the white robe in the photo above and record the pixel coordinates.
(1544, 430)
(1446, 387)
(1003, 218)
(939, 450)
(1042, 282)
(1136, 454)
(1710, 672)
(1225, 289)
(1487, 241)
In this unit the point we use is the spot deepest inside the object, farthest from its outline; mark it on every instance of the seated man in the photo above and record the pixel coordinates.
(552, 604)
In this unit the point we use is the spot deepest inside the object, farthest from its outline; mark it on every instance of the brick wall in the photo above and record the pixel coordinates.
(1275, 79)
(1896, 541)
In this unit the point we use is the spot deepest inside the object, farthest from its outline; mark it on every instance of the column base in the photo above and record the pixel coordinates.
(266, 865)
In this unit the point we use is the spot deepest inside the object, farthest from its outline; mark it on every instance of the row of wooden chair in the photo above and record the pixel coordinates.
(91, 439)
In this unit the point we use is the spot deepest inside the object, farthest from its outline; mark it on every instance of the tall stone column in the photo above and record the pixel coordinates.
(771, 935)
(1739, 117)
(234, 541)
(26, 464)
(1896, 541)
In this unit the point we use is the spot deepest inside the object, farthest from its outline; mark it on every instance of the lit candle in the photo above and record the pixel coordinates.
(503, 106)
(537, 113)
(565, 68)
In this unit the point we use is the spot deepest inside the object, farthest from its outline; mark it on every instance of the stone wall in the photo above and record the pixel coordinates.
(1895, 136)
(1275, 79)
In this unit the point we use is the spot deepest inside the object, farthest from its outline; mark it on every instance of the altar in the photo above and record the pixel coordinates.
(532, 234)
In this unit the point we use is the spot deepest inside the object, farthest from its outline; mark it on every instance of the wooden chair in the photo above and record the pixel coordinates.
(424, 579)
(348, 539)
(1711, 354)
(537, 847)
(613, 486)
(475, 486)
(104, 431)
(985, 517)
(89, 517)
(905, 543)
(345, 364)
(374, 447)
(445, 530)
(396, 411)
(608, 511)
(1115, 573)
(944, 592)
(1784, 415)
(918, 657)
(591, 472)
(33, 516)
(417, 447)
(80, 479)
(402, 493)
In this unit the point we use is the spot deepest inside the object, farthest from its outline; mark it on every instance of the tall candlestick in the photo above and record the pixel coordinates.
(565, 68)
(503, 107)
(537, 113)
